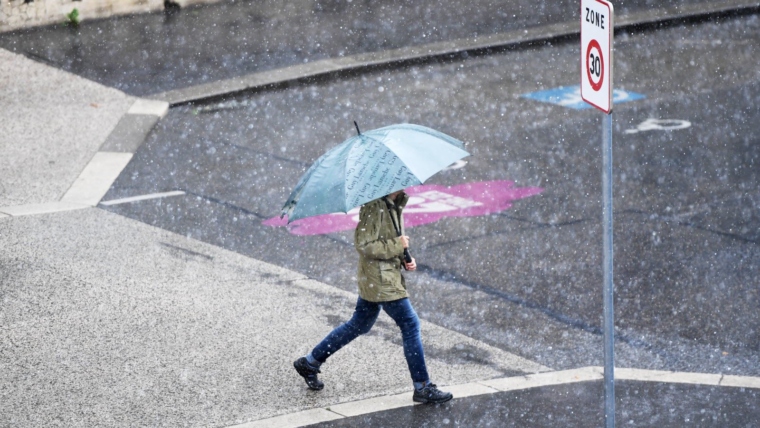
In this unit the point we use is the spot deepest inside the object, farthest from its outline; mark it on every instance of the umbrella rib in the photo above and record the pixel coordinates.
(367, 143)
(363, 139)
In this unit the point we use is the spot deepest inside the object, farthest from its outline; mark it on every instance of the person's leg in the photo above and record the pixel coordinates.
(406, 318)
(360, 323)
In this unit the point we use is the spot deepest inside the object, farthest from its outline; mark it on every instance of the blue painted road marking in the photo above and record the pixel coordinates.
(570, 96)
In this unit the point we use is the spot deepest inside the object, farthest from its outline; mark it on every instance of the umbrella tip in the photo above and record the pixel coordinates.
(357, 128)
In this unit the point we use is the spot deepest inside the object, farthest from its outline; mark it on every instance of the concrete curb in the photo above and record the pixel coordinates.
(584, 374)
(417, 54)
(106, 165)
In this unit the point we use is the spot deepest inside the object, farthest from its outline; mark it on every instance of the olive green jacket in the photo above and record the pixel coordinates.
(380, 251)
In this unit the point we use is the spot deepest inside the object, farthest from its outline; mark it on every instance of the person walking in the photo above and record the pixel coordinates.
(380, 241)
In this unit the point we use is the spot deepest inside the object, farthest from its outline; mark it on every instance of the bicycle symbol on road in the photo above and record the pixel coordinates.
(659, 125)
(570, 96)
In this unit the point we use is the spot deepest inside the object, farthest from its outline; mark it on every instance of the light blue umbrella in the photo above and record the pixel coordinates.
(371, 165)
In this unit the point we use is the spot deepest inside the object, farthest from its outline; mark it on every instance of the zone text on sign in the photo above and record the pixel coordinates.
(595, 18)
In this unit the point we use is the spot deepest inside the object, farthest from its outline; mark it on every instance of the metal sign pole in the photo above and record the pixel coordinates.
(608, 309)
(597, 25)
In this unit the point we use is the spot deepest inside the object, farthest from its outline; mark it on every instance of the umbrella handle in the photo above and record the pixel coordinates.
(407, 256)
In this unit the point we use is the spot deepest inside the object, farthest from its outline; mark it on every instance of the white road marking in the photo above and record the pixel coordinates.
(44, 208)
(740, 381)
(371, 405)
(667, 377)
(659, 125)
(142, 197)
(96, 178)
(293, 420)
(456, 165)
(491, 386)
(149, 107)
(470, 390)
(544, 379)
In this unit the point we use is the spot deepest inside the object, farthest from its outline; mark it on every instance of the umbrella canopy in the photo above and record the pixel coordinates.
(371, 165)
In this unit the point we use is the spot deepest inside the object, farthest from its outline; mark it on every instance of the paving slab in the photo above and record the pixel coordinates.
(55, 123)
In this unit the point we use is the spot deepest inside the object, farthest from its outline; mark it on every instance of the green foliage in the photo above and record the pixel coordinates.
(73, 18)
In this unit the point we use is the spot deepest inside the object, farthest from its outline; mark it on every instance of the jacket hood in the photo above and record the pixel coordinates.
(400, 201)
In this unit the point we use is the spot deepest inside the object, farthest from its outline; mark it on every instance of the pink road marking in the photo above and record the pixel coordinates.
(427, 204)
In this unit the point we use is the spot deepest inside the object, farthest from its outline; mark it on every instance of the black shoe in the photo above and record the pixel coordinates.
(309, 374)
(431, 394)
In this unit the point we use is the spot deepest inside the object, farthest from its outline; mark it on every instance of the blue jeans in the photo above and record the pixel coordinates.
(362, 321)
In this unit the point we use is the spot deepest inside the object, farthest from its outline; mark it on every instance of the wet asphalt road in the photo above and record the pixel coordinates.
(152, 53)
(528, 279)
(639, 404)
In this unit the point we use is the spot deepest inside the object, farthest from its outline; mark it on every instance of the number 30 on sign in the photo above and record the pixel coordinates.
(596, 53)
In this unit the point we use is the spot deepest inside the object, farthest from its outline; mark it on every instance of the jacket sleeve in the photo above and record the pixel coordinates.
(367, 235)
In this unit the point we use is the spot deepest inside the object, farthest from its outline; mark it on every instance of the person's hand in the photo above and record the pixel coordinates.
(404, 241)
(411, 265)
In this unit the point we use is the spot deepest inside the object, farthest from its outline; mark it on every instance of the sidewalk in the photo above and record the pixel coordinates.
(109, 322)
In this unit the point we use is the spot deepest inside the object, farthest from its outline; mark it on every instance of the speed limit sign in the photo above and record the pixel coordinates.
(596, 53)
